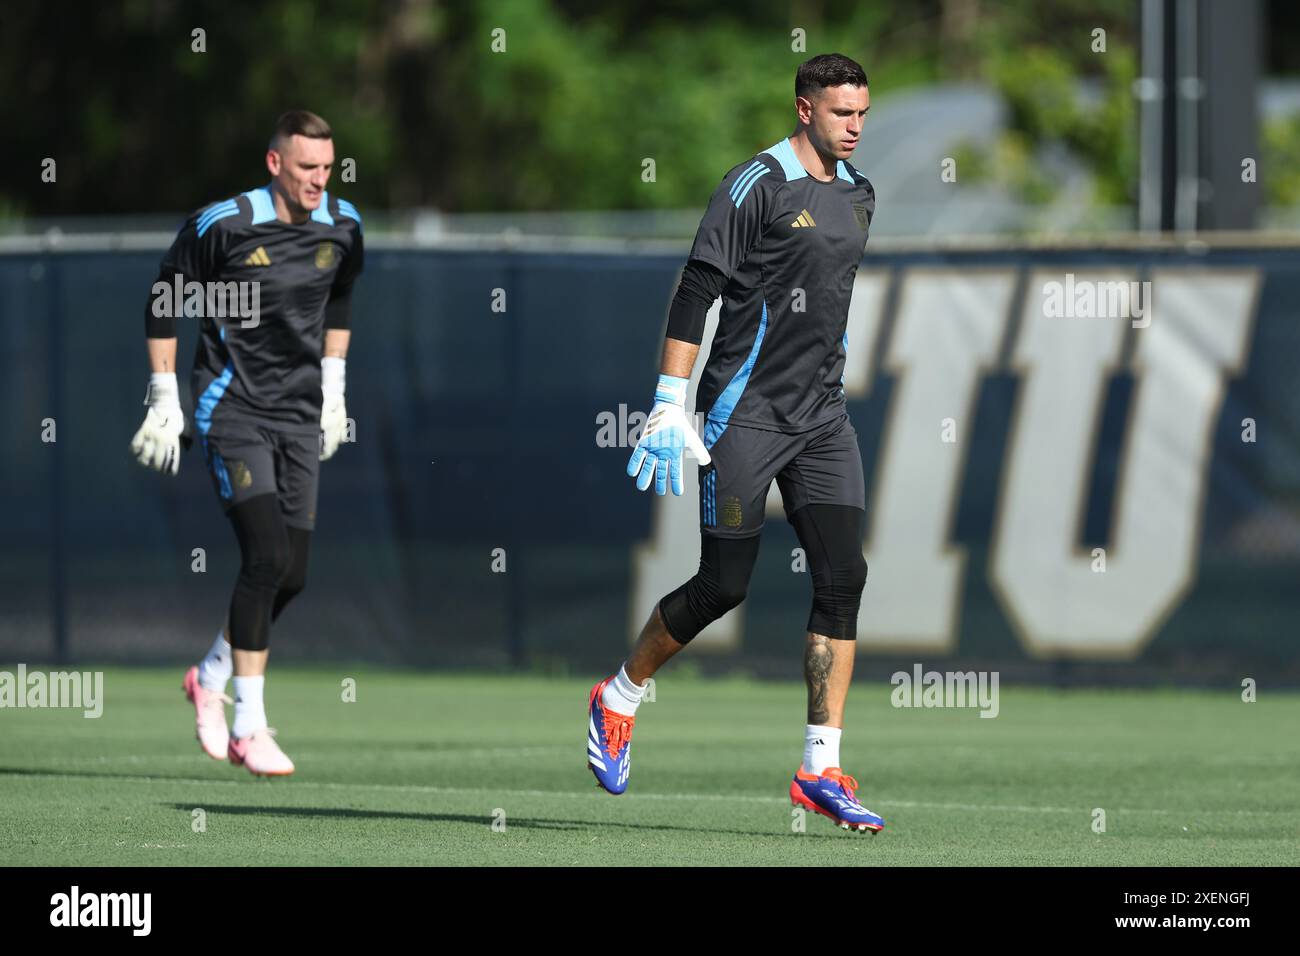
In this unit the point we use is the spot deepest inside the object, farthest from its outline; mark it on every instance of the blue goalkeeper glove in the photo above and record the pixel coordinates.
(658, 453)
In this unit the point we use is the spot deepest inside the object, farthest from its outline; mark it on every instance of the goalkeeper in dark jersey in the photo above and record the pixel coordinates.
(780, 242)
(269, 275)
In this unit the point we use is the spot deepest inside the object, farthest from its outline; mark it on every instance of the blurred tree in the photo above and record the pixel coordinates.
(138, 121)
(1279, 172)
(562, 118)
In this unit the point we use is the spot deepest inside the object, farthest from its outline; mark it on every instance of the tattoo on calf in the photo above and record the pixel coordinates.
(818, 659)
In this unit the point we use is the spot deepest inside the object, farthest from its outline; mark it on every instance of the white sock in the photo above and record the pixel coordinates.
(821, 748)
(250, 715)
(216, 668)
(621, 695)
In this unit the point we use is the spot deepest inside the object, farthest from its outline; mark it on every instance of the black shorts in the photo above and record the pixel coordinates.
(819, 466)
(246, 460)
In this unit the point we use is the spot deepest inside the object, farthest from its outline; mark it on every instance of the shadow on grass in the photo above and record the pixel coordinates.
(536, 823)
(480, 820)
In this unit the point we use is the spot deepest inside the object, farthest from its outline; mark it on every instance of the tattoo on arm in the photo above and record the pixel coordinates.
(818, 659)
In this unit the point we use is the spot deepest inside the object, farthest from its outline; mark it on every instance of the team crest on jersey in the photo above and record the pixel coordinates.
(860, 211)
(240, 476)
(324, 255)
(731, 514)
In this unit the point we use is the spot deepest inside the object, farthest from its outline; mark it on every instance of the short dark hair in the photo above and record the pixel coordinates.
(299, 123)
(827, 69)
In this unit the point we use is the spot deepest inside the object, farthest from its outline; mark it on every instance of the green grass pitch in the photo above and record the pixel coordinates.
(418, 767)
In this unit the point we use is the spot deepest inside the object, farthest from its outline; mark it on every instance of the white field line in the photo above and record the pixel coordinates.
(582, 794)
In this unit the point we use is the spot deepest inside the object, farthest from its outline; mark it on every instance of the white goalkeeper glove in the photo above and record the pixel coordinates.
(157, 444)
(658, 453)
(333, 413)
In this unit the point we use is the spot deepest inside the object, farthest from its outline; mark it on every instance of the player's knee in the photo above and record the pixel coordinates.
(717, 587)
(715, 597)
(290, 588)
(837, 597)
(833, 536)
(294, 579)
(855, 574)
(291, 585)
(265, 567)
(697, 604)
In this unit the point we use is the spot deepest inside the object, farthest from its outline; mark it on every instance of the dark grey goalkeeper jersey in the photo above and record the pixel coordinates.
(269, 373)
(790, 246)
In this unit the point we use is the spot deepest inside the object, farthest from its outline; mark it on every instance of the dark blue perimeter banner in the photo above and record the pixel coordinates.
(1081, 465)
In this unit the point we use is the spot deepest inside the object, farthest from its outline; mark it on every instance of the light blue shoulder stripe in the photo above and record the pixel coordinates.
(843, 173)
(216, 211)
(217, 207)
(750, 185)
(755, 168)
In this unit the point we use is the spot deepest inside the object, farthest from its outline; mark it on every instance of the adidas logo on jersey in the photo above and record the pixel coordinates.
(804, 221)
(258, 258)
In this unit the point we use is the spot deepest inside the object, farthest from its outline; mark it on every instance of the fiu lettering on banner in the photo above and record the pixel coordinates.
(1181, 333)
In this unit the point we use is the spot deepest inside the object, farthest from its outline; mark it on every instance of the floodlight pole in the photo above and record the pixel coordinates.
(1198, 127)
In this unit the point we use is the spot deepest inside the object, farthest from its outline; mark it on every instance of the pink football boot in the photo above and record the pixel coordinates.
(209, 715)
(260, 754)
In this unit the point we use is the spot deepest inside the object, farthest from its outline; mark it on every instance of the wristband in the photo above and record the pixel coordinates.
(672, 389)
(162, 389)
(333, 374)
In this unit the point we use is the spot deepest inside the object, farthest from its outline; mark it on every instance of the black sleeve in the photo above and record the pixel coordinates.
(338, 310)
(193, 257)
(700, 285)
(736, 218)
